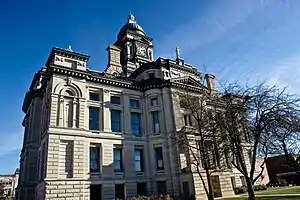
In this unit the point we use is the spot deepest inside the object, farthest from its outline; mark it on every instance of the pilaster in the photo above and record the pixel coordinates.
(106, 110)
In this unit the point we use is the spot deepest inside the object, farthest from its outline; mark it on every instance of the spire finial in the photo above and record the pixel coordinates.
(130, 18)
(177, 53)
(70, 48)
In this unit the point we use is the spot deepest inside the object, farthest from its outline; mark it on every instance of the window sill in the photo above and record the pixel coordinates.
(140, 173)
(160, 171)
(95, 173)
(94, 131)
(119, 173)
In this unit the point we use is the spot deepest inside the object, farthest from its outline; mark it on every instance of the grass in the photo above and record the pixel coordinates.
(266, 198)
(281, 192)
(285, 190)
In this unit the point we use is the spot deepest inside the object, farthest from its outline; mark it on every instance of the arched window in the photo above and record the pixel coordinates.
(69, 111)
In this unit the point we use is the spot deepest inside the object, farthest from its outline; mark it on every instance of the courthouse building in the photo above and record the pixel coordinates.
(105, 134)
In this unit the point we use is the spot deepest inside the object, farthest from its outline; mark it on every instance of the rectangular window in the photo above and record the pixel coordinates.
(243, 180)
(119, 192)
(141, 189)
(94, 96)
(186, 189)
(94, 118)
(155, 121)
(233, 183)
(95, 159)
(95, 192)
(161, 187)
(154, 102)
(115, 100)
(136, 124)
(65, 164)
(138, 160)
(134, 103)
(187, 120)
(118, 160)
(115, 120)
(159, 158)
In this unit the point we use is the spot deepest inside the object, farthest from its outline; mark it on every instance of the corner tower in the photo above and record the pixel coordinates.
(136, 47)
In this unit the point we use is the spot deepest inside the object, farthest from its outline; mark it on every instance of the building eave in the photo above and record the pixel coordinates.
(66, 53)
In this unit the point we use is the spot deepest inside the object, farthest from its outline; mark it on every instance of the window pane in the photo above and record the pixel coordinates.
(154, 102)
(161, 187)
(118, 160)
(135, 123)
(134, 103)
(119, 192)
(115, 100)
(115, 120)
(94, 159)
(138, 158)
(94, 96)
(93, 118)
(155, 119)
(159, 158)
(141, 189)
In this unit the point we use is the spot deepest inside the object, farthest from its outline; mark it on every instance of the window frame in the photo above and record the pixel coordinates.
(113, 120)
(133, 124)
(155, 122)
(94, 94)
(157, 167)
(140, 150)
(91, 118)
(115, 97)
(131, 100)
(120, 160)
(151, 101)
(97, 146)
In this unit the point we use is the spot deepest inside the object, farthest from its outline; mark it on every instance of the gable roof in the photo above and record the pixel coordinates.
(188, 80)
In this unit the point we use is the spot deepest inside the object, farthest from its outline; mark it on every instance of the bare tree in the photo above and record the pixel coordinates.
(199, 140)
(286, 139)
(247, 120)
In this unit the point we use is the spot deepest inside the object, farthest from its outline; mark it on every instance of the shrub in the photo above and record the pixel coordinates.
(153, 197)
(259, 187)
(240, 190)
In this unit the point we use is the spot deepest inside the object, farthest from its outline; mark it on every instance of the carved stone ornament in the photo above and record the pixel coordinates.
(58, 59)
(69, 80)
(61, 99)
(106, 91)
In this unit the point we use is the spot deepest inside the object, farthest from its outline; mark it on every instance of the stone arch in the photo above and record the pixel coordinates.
(68, 89)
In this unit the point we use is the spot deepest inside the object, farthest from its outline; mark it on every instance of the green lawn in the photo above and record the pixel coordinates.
(266, 198)
(281, 192)
(285, 190)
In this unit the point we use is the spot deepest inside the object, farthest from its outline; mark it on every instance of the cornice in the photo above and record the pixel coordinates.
(67, 54)
(119, 81)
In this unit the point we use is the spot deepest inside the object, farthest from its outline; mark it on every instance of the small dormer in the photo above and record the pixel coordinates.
(68, 58)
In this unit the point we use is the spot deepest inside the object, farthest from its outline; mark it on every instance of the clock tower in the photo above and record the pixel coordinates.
(136, 47)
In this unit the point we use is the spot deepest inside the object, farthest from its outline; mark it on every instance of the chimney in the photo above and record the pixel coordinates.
(114, 58)
(210, 82)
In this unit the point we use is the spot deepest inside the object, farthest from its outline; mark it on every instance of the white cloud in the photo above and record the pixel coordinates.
(10, 142)
(286, 73)
(208, 26)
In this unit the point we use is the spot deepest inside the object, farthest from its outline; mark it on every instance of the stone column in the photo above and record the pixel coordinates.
(75, 104)
(106, 111)
(61, 112)
(126, 126)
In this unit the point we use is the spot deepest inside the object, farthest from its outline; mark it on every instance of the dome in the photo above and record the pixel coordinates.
(131, 25)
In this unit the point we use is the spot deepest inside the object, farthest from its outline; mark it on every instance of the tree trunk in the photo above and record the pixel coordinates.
(210, 188)
(251, 194)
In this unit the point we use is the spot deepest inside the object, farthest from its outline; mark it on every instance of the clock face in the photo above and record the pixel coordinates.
(142, 51)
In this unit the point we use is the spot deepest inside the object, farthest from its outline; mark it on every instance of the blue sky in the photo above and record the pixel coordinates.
(235, 39)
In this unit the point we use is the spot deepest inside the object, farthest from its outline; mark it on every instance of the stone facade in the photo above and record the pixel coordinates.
(10, 182)
(105, 135)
